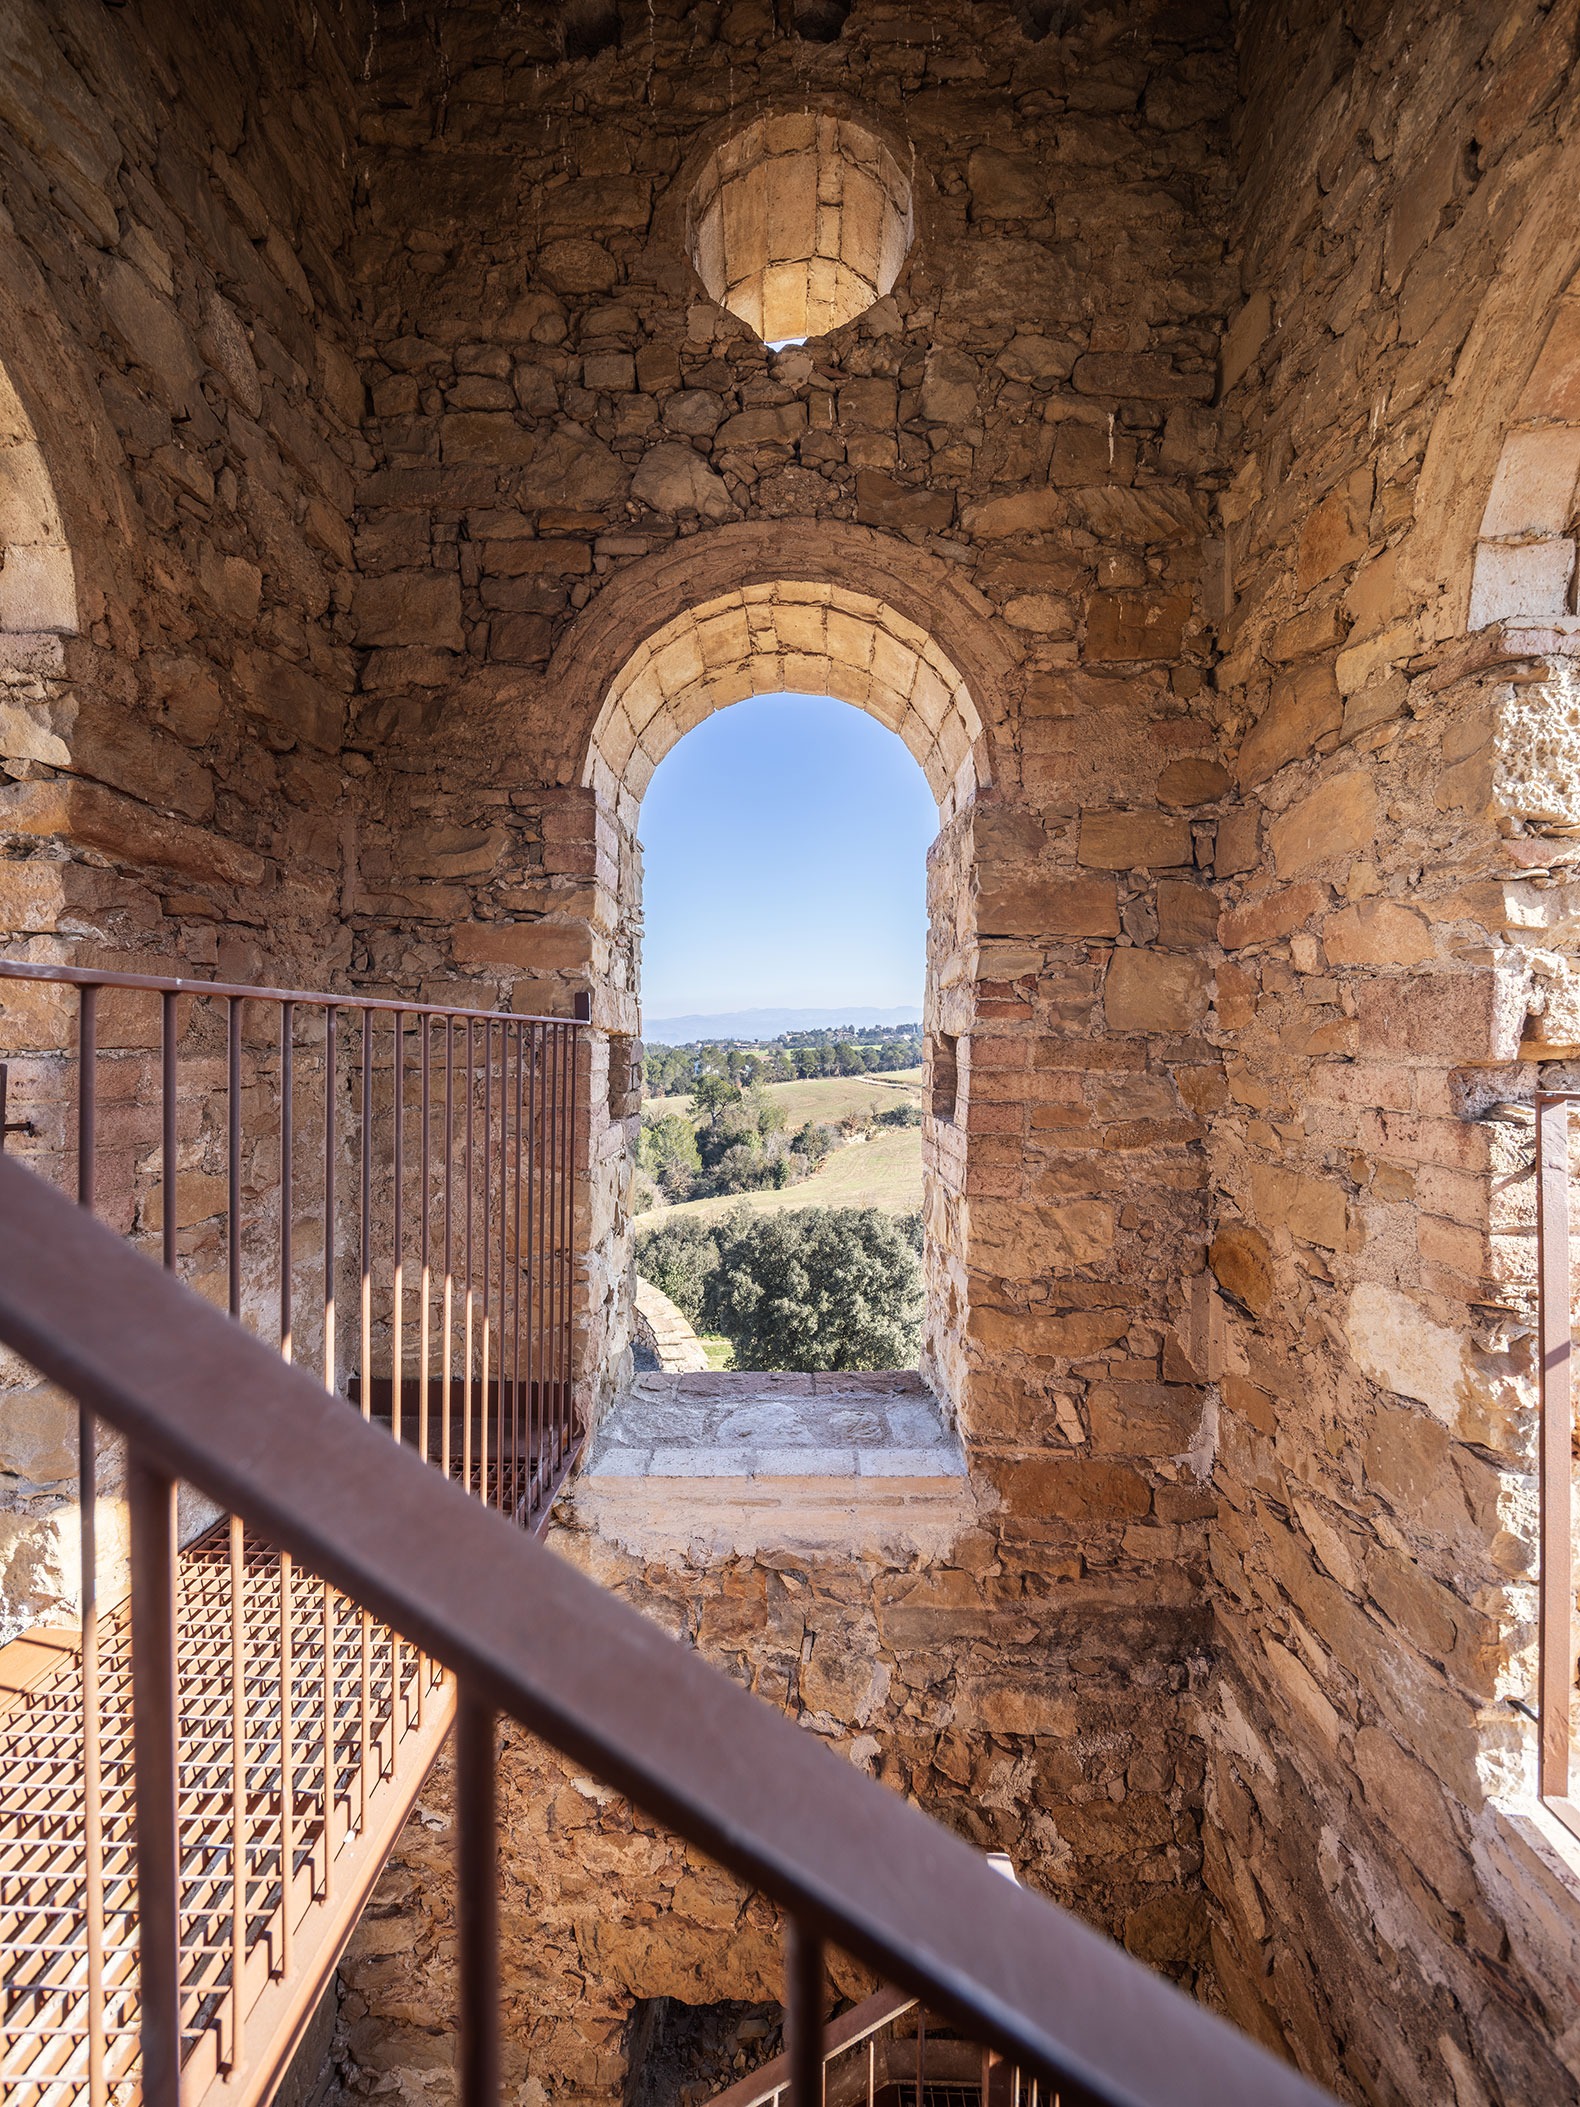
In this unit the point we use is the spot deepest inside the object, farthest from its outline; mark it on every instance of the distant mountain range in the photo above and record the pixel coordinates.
(766, 1024)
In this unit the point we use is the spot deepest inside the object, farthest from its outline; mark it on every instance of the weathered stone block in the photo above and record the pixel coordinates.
(410, 607)
(1122, 841)
(1337, 821)
(1149, 991)
(1136, 625)
(1049, 907)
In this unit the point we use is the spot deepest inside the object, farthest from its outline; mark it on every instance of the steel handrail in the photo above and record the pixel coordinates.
(102, 977)
(530, 1636)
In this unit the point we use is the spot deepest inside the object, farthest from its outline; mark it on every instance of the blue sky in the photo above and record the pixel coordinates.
(786, 842)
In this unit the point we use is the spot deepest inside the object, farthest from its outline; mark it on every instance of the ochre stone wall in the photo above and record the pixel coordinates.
(362, 366)
(1012, 453)
(1394, 963)
(180, 438)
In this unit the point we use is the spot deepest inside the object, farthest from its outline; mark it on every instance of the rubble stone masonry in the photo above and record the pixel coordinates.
(390, 474)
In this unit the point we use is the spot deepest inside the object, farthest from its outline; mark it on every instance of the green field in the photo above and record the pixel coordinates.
(827, 1097)
(885, 1171)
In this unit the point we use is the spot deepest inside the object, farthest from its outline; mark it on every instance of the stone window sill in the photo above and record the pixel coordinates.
(746, 1462)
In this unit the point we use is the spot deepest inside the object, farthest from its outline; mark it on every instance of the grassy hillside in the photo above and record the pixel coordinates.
(883, 1172)
(827, 1097)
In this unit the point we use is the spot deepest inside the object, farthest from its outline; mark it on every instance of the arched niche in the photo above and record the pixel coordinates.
(816, 637)
(38, 590)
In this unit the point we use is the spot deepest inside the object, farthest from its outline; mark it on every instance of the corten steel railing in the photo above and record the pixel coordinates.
(292, 1153)
(1555, 1360)
(527, 1635)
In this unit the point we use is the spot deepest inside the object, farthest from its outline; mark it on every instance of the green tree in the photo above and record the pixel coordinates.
(817, 1287)
(679, 1257)
(667, 1151)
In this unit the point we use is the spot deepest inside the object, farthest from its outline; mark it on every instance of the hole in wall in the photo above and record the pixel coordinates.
(799, 224)
(944, 1090)
(819, 21)
(1041, 18)
(589, 26)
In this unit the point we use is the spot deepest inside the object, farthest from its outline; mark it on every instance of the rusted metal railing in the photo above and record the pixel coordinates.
(294, 1155)
(527, 1635)
(1555, 1360)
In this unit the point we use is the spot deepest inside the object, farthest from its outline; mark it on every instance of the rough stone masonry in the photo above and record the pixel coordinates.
(1182, 460)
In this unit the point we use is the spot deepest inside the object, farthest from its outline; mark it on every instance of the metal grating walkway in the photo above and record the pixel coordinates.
(307, 1656)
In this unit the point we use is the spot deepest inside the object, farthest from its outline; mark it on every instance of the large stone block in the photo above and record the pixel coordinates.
(1137, 625)
(1336, 822)
(1123, 841)
(410, 607)
(1154, 991)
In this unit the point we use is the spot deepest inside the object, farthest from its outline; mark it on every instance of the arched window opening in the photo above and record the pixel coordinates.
(784, 961)
(38, 591)
(799, 224)
(797, 640)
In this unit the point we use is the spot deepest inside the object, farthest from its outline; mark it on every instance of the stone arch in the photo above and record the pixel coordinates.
(38, 587)
(1493, 504)
(801, 635)
(831, 609)
(1524, 562)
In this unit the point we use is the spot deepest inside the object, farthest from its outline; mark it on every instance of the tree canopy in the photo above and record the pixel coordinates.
(812, 1288)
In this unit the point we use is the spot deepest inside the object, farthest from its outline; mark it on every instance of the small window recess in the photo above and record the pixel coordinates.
(945, 1096)
(625, 1077)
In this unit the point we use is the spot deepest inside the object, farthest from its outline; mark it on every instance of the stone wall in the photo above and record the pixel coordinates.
(1009, 457)
(363, 369)
(180, 437)
(1393, 938)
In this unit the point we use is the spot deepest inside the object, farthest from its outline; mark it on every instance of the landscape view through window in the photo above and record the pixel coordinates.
(779, 1185)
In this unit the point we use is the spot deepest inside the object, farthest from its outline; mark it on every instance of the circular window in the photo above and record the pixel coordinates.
(799, 223)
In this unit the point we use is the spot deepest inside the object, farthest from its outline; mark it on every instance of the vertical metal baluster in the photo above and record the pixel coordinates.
(167, 1110)
(579, 1042)
(872, 2071)
(287, 1762)
(238, 1789)
(921, 2055)
(331, 1690)
(466, 1362)
(551, 1172)
(287, 1196)
(88, 1510)
(520, 1481)
(425, 1321)
(151, 1499)
(233, 1151)
(330, 1053)
(425, 1268)
(534, 1286)
(1555, 1647)
(804, 2014)
(365, 1246)
(535, 1187)
(397, 1316)
(561, 1251)
(287, 1693)
(398, 1231)
(449, 1242)
(477, 1900)
(238, 1576)
(365, 1363)
(504, 1203)
(487, 1183)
